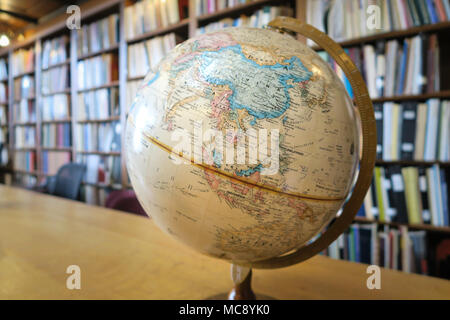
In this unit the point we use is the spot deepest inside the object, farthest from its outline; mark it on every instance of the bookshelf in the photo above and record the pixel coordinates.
(124, 83)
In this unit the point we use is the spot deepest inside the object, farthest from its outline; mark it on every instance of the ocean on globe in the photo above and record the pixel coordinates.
(242, 144)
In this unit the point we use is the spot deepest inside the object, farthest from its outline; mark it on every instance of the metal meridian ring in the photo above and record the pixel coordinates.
(367, 163)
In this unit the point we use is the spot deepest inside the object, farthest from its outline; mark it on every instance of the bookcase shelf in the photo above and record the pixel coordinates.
(65, 91)
(100, 153)
(57, 65)
(427, 227)
(440, 26)
(109, 85)
(411, 163)
(172, 28)
(420, 97)
(100, 120)
(21, 124)
(56, 121)
(135, 78)
(24, 98)
(62, 149)
(100, 52)
(26, 73)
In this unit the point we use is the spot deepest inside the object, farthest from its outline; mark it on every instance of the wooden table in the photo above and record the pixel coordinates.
(123, 256)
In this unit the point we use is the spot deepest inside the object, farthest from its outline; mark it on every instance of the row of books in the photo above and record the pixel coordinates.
(54, 51)
(56, 135)
(146, 55)
(4, 157)
(344, 20)
(413, 131)
(55, 80)
(413, 195)
(99, 35)
(210, 6)
(24, 87)
(98, 104)
(25, 137)
(25, 111)
(23, 61)
(3, 115)
(55, 107)
(394, 69)
(148, 15)
(97, 71)
(53, 160)
(103, 137)
(391, 248)
(3, 69)
(3, 93)
(96, 195)
(257, 20)
(132, 89)
(25, 160)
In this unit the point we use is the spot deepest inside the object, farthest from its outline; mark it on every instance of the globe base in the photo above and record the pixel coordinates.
(243, 290)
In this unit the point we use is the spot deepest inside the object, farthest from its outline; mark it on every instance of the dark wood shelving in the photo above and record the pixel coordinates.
(61, 149)
(24, 98)
(394, 34)
(182, 24)
(236, 9)
(427, 227)
(26, 73)
(117, 118)
(101, 153)
(65, 91)
(421, 97)
(135, 78)
(412, 163)
(56, 121)
(97, 53)
(109, 85)
(24, 148)
(56, 65)
(22, 124)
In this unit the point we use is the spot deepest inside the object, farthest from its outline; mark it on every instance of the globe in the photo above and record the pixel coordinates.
(242, 143)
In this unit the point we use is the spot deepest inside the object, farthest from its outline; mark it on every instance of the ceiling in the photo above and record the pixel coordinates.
(24, 12)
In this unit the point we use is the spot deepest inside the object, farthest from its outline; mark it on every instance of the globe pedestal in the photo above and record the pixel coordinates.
(242, 278)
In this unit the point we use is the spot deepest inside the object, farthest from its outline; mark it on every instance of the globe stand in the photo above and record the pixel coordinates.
(242, 279)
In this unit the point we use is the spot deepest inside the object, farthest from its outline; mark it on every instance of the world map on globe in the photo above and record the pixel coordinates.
(242, 144)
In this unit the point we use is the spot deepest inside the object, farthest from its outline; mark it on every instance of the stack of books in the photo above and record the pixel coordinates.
(147, 54)
(391, 248)
(149, 15)
(412, 195)
(25, 137)
(98, 104)
(413, 131)
(99, 35)
(54, 51)
(257, 20)
(26, 180)
(102, 137)
(203, 7)
(132, 89)
(23, 61)
(25, 161)
(344, 20)
(55, 107)
(52, 161)
(97, 71)
(3, 69)
(56, 135)
(393, 69)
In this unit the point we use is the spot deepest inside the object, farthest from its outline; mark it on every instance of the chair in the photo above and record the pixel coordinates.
(67, 181)
(125, 200)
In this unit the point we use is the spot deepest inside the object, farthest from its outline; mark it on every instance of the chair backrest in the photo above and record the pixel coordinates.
(124, 200)
(68, 180)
